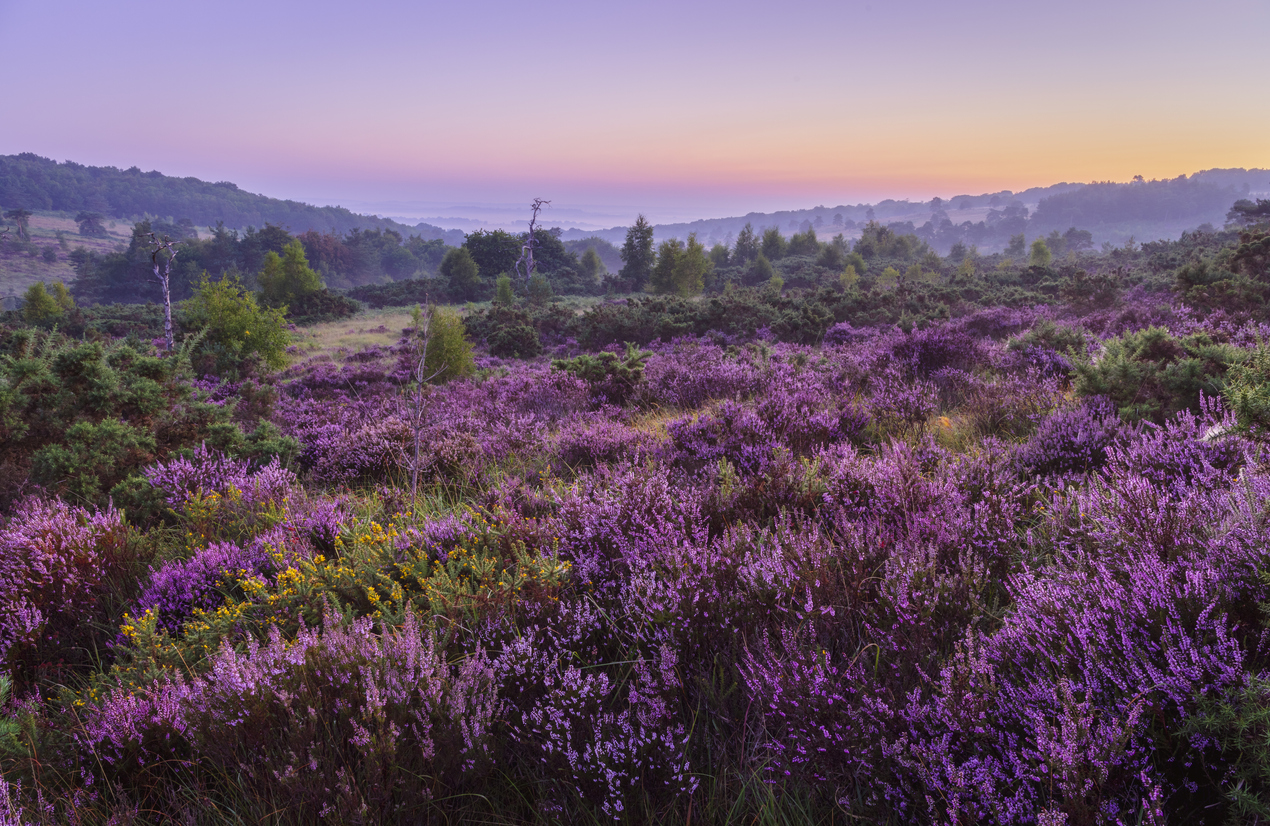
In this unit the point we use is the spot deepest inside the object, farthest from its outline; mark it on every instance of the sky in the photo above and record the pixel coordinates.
(677, 109)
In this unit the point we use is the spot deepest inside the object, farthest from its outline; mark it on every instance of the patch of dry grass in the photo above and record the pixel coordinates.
(339, 338)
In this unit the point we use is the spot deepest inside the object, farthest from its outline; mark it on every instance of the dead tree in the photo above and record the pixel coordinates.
(21, 217)
(165, 279)
(527, 251)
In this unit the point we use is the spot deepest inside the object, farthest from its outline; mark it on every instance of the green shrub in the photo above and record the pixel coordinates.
(613, 375)
(1058, 337)
(1247, 391)
(515, 341)
(42, 307)
(1238, 723)
(449, 353)
(539, 289)
(1151, 375)
(288, 277)
(82, 418)
(503, 291)
(237, 328)
(319, 306)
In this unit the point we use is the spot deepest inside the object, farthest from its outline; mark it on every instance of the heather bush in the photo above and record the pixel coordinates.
(807, 412)
(687, 374)
(730, 433)
(58, 564)
(340, 722)
(588, 443)
(1071, 441)
(924, 573)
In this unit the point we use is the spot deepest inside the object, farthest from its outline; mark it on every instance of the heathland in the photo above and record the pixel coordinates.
(771, 530)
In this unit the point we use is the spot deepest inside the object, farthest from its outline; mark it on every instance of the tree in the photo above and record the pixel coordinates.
(593, 268)
(38, 307)
(804, 243)
(832, 256)
(503, 290)
(22, 218)
(461, 271)
(1041, 255)
(1056, 242)
(90, 225)
(662, 279)
(719, 255)
(1078, 239)
(747, 246)
(1242, 213)
(1016, 246)
(493, 251)
(288, 277)
(539, 289)
(762, 271)
(774, 244)
(692, 268)
(526, 259)
(681, 268)
(448, 353)
(637, 254)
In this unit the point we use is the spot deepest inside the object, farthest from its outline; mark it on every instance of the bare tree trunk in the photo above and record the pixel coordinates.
(165, 278)
(527, 251)
(423, 336)
(421, 344)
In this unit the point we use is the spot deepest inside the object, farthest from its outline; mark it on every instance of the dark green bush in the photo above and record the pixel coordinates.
(319, 306)
(81, 418)
(613, 376)
(1151, 375)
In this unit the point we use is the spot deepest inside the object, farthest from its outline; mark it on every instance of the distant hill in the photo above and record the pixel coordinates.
(28, 181)
(1112, 212)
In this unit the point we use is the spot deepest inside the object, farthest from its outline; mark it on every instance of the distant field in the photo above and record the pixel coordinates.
(19, 270)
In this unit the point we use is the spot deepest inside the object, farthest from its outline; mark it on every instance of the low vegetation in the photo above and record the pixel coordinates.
(947, 544)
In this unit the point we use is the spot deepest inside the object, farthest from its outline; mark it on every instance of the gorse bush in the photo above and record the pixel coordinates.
(1151, 375)
(81, 418)
(612, 377)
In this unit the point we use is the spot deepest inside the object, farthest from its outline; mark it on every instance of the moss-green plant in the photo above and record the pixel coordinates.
(615, 376)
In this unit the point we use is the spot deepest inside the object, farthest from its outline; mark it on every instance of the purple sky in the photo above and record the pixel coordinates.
(678, 109)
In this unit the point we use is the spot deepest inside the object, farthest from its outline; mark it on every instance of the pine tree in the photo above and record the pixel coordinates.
(637, 254)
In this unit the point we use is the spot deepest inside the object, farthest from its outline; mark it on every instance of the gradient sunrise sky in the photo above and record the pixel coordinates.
(687, 108)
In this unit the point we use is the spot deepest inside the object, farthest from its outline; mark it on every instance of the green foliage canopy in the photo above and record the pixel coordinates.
(288, 277)
(237, 329)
